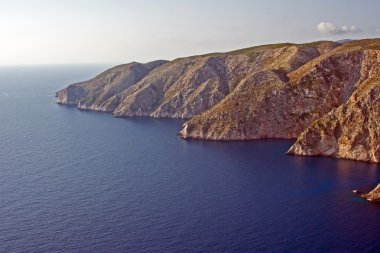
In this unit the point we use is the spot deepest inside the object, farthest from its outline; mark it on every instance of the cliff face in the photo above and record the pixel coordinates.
(181, 89)
(187, 87)
(96, 94)
(352, 130)
(325, 93)
(268, 106)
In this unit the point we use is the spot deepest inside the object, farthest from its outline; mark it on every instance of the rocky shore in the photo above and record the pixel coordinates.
(324, 94)
(373, 195)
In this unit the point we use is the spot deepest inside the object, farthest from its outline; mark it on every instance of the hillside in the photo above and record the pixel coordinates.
(273, 91)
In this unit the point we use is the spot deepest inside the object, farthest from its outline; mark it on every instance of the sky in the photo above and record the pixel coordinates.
(121, 31)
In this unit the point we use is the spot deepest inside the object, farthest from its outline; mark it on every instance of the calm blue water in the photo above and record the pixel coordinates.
(73, 181)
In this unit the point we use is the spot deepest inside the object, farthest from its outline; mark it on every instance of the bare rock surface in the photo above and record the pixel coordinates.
(271, 104)
(96, 93)
(352, 130)
(324, 93)
(373, 195)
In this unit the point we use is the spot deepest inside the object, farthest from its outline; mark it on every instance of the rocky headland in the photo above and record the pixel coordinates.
(324, 94)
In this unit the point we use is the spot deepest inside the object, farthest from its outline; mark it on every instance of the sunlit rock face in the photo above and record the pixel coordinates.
(352, 130)
(323, 93)
(100, 93)
(374, 195)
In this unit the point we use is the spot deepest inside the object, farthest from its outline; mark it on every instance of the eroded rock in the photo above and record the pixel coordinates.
(373, 195)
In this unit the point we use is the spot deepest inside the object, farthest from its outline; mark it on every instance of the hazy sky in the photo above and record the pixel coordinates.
(116, 31)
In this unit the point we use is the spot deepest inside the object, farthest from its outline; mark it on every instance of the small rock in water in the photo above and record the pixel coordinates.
(356, 191)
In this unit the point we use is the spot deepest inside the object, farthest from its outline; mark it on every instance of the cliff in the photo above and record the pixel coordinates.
(184, 87)
(352, 130)
(268, 106)
(323, 93)
(98, 93)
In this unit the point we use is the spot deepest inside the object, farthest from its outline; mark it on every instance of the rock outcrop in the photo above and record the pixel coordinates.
(268, 106)
(190, 86)
(352, 130)
(323, 93)
(373, 195)
(98, 93)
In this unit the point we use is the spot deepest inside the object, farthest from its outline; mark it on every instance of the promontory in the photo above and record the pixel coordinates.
(324, 94)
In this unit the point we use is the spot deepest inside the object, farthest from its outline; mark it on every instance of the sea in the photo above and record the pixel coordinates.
(81, 181)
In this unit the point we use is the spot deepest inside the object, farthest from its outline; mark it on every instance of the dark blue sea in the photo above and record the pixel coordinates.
(79, 181)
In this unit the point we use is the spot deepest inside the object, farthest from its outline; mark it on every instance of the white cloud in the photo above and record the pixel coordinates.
(330, 28)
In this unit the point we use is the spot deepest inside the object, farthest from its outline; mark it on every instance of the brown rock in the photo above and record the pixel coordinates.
(98, 93)
(352, 130)
(325, 94)
(275, 103)
(374, 195)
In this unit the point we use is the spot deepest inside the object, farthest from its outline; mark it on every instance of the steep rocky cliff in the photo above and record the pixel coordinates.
(96, 93)
(325, 93)
(352, 130)
(189, 86)
(268, 106)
